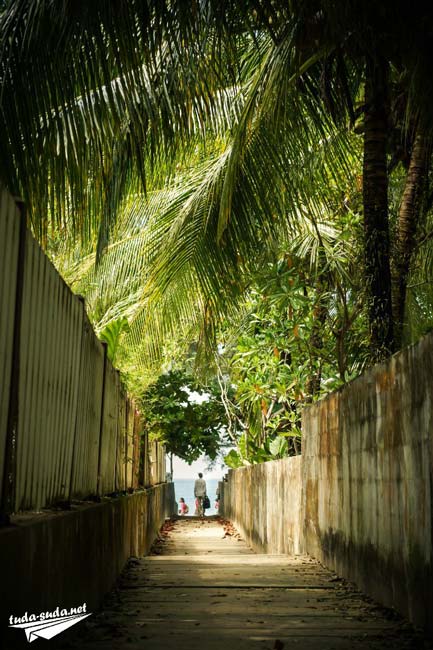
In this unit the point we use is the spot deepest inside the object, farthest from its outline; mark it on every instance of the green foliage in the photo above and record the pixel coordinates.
(303, 335)
(233, 459)
(112, 333)
(215, 196)
(303, 332)
(184, 415)
(278, 447)
(248, 453)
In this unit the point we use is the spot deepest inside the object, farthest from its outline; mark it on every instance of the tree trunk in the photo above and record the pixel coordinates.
(375, 199)
(408, 218)
(320, 314)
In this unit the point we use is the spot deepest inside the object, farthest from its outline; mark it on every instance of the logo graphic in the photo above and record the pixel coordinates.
(46, 625)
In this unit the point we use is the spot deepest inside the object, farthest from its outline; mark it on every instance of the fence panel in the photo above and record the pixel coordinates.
(108, 447)
(76, 432)
(144, 461)
(129, 447)
(156, 463)
(88, 423)
(151, 461)
(136, 450)
(161, 464)
(9, 245)
(121, 440)
(50, 345)
(141, 444)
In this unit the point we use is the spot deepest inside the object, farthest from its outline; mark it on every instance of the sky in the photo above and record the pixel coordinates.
(181, 469)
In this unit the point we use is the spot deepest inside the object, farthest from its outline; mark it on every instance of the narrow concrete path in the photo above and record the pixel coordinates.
(204, 589)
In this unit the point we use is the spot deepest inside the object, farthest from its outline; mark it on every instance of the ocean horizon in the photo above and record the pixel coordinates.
(184, 487)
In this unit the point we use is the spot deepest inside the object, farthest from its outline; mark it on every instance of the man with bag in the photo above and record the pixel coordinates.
(200, 494)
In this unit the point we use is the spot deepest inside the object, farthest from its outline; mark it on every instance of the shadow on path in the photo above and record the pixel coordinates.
(203, 588)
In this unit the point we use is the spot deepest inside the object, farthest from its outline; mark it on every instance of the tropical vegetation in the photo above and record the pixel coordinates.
(247, 180)
(179, 414)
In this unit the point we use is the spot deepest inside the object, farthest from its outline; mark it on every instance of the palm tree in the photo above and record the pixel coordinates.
(411, 212)
(97, 98)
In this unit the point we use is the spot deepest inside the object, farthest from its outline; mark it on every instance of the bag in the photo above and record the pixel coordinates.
(186, 510)
(206, 503)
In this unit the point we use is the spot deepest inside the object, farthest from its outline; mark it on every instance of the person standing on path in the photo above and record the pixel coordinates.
(200, 493)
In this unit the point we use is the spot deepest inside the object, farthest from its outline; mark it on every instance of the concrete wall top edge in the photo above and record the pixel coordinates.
(369, 376)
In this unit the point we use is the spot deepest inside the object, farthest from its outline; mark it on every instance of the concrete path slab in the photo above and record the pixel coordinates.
(205, 590)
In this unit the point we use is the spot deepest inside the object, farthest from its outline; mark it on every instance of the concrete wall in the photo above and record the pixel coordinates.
(363, 488)
(367, 478)
(67, 558)
(264, 503)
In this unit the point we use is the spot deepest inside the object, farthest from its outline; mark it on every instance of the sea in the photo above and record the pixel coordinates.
(184, 487)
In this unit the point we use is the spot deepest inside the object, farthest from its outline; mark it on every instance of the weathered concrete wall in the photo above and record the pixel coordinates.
(264, 503)
(67, 558)
(367, 477)
(363, 489)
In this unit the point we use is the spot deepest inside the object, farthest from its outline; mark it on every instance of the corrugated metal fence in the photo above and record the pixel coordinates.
(67, 428)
